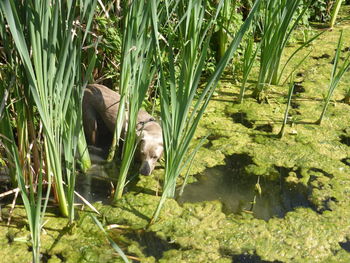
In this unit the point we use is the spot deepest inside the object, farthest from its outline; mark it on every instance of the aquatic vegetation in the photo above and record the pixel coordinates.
(111, 241)
(48, 45)
(290, 94)
(249, 58)
(335, 12)
(336, 75)
(136, 75)
(179, 121)
(281, 200)
(277, 24)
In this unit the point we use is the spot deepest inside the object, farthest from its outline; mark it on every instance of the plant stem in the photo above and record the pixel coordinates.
(290, 93)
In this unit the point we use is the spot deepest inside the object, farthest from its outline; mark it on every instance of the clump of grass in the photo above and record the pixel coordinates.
(179, 82)
(336, 75)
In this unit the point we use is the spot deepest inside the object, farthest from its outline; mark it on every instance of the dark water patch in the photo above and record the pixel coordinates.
(314, 171)
(5, 185)
(61, 257)
(241, 117)
(295, 105)
(286, 171)
(298, 88)
(300, 74)
(326, 56)
(346, 161)
(246, 258)
(237, 162)
(345, 245)
(326, 201)
(239, 190)
(212, 138)
(265, 128)
(45, 257)
(345, 140)
(327, 204)
(94, 186)
(151, 244)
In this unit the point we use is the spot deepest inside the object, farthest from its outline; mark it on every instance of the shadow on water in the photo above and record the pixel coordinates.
(248, 258)
(345, 140)
(235, 187)
(151, 244)
(242, 118)
(345, 245)
(346, 161)
(96, 184)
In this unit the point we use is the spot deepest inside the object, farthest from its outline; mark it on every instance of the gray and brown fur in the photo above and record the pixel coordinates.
(100, 108)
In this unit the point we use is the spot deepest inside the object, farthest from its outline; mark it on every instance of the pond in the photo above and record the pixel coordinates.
(251, 196)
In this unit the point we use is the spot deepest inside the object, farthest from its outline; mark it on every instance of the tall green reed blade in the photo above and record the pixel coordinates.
(34, 206)
(300, 62)
(336, 75)
(278, 23)
(110, 240)
(179, 84)
(248, 62)
(290, 94)
(137, 73)
(7, 138)
(50, 54)
(335, 12)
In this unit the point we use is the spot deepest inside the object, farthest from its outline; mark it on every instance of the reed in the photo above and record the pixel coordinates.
(248, 61)
(337, 73)
(289, 100)
(137, 72)
(110, 240)
(51, 55)
(20, 170)
(43, 41)
(180, 77)
(335, 12)
(278, 20)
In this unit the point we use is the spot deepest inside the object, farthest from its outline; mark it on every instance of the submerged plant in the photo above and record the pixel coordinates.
(179, 84)
(336, 75)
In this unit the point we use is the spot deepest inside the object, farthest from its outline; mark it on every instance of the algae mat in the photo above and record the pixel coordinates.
(253, 197)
